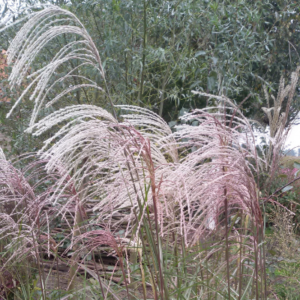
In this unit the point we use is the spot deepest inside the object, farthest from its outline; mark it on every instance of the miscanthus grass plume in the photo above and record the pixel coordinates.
(277, 115)
(188, 191)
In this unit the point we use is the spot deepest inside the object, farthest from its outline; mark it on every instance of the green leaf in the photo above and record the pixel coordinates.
(89, 257)
(200, 53)
(297, 165)
(282, 176)
(211, 83)
(104, 64)
(287, 188)
(215, 60)
(272, 252)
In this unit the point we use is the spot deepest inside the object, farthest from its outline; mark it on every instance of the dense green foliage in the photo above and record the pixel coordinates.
(156, 52)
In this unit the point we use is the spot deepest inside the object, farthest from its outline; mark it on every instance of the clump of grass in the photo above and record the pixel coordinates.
(178, 214)
(283, 241)
(283, 255)
(278, 123)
